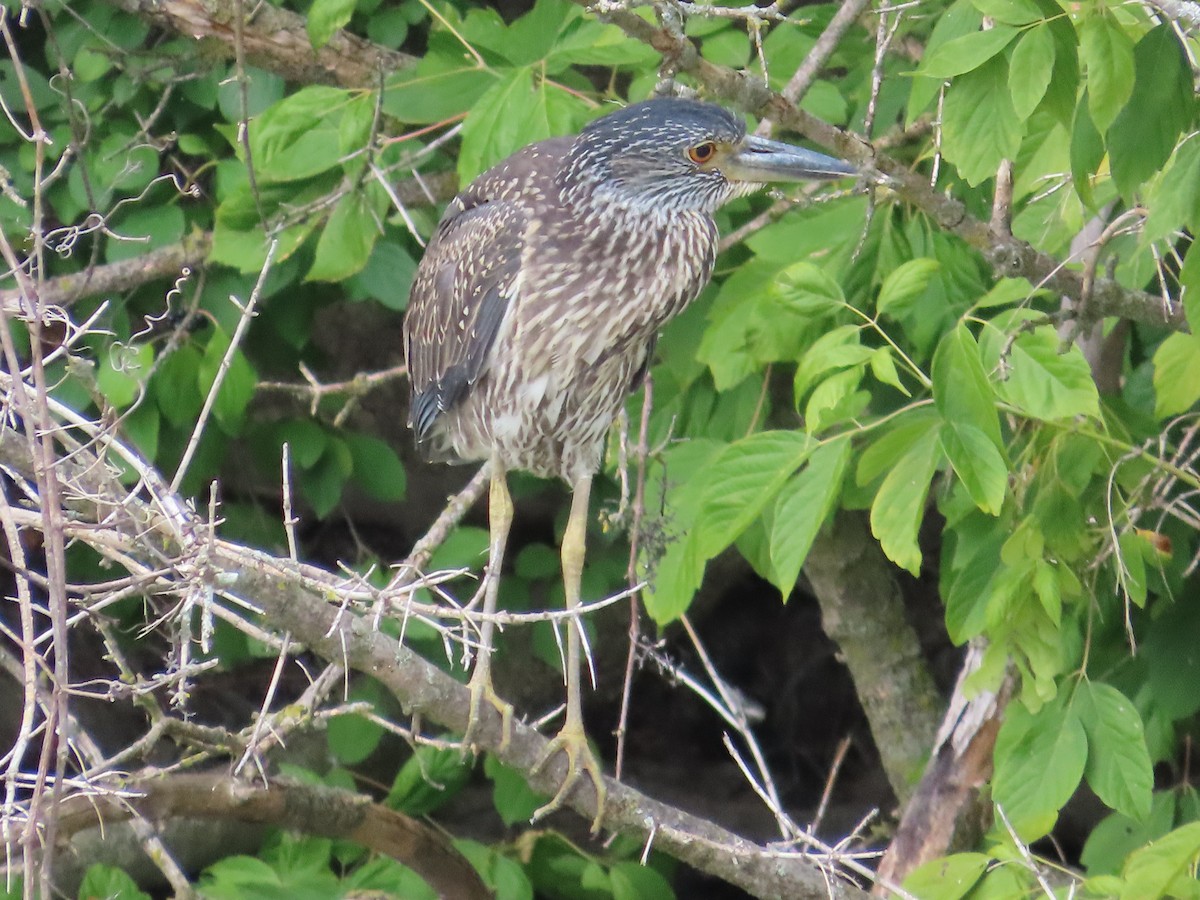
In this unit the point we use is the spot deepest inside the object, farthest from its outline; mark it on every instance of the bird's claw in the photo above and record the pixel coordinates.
(481, 691)
(580, 760)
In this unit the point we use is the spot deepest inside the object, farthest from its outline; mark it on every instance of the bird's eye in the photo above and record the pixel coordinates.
(702, 153)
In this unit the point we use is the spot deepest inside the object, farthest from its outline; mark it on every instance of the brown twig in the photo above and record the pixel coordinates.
(110, 278)
(804, 76)
(309, 809)
(295, 598)
(275, 39)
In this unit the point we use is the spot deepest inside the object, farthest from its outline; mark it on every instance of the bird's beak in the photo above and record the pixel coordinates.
(762, 161)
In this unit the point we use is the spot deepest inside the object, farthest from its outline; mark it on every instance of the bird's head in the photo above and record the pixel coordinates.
(683, 154)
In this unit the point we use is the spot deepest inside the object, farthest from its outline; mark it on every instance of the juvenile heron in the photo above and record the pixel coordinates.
(535, 310)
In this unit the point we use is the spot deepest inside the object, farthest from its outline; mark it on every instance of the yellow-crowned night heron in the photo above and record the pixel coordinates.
(535, 310)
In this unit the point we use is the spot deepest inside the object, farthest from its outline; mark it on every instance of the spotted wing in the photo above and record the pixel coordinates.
(459, 296)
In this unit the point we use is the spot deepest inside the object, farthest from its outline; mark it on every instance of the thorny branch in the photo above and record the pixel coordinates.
(158, 537)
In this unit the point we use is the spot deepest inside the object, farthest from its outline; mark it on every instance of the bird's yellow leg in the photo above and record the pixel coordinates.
(572, 740)
(500, 515)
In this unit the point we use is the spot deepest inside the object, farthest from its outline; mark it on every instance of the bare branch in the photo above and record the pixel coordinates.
(294, 598)
(310, 809)
(165, 262)
(275, 39)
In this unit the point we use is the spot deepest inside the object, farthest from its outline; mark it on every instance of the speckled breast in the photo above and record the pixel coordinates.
(592, 296)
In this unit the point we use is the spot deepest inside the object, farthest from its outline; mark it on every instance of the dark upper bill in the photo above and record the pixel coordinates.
(762, 160)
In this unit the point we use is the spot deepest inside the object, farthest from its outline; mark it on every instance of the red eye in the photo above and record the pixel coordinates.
(702, 153)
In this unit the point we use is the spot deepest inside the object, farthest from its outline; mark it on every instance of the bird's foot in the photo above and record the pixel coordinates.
(580, 760)
(481, 692)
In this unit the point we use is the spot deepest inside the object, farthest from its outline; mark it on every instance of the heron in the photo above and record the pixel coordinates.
(534, 312)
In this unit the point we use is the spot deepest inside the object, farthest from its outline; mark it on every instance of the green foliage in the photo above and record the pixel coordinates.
(101, 881)
(852, 355)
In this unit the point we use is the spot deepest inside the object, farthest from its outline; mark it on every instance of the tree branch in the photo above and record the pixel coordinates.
(165, 262)
(163, 535)
(1184, 12)
(863, 612)
(950, 809)
(169, 261)
(275, 39)
(1008, 256)
(310, 809)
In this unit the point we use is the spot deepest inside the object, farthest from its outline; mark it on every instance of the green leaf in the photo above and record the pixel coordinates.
(978, 463)
(980, 127)
(1107, 51)
(263, 88)
(121, 371)
(1030, 69)
(436, 90)
(504, 876)
(1143, 135)
(899, 505)
(377, 467)
(1176, 375)
(1173, 658)
(346, 241)
(1189, 278)
(1006, 292)
(384, 877)
(1039, 760)
(633, 881)
(306, 442)
(298, 137)
(352, 738)
(325, 17)
(836, 399)
(92, 61)
(966, 53)
(1177, 201)
(428, 779)
(961, 389)
(804, 503)
(1087, 152)
(512, 113)
(1010, 12)
(387, 276)
(388, 27)
(322, 484)
(837, 349)
(1131, 563)
(1117, 836)
(1155, 871)
(1042, 379)
(176, 386)
(1118, 766)
(237, 386)
(743, 478)
(806, 289)
(960, 18)
(948, 878)
(885, 453)
(110, 883)
(905, 283)
(883, 367)
(973, 588)
(148, 227)
(236, 877)
(514, 800)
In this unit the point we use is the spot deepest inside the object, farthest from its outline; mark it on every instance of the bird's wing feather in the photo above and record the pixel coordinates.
(459, 296)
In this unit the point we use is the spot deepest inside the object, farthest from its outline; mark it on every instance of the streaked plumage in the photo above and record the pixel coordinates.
(536, 306)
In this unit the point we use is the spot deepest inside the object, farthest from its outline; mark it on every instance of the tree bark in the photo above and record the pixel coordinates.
(863, 612)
